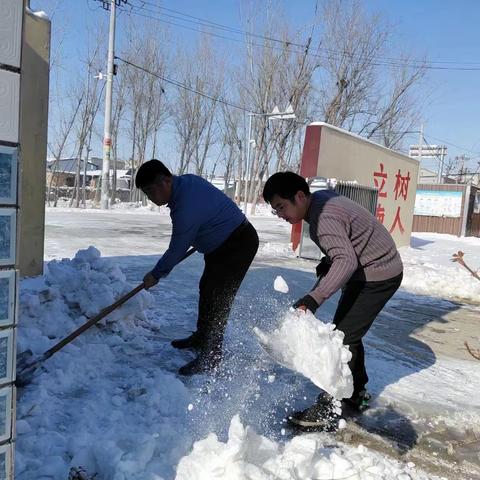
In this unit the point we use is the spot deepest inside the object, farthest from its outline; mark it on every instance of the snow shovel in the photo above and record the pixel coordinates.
(262, 338)
(27, 366)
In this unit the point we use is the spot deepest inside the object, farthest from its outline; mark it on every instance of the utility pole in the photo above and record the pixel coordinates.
(420, 142)
(276, 114)
(107, 136)
(462, 159)
(420, 147)
(442, 160)
(247, 160)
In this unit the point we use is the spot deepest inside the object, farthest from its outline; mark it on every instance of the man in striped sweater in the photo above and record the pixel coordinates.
(360, 258)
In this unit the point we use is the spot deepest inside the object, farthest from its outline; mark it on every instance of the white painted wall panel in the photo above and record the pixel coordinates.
(10, 32)
(9, 105)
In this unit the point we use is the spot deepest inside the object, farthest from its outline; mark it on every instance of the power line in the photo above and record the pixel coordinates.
(243, 32)
(219, 99)
(238, 40)
(477, 154)
(185, 87)
(226, 102)
(212, 34)
(382, 61)
(208, 23)
(106, 3)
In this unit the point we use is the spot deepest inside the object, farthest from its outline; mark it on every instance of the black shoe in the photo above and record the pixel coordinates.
(357, 403)
(324, 399)
(201, 364)
(193, 341)
(322, 416)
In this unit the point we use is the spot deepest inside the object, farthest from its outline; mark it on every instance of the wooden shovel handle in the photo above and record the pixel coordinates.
(99, 316)
(92, 321)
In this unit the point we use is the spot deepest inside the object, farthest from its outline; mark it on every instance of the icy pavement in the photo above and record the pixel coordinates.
(111, 401)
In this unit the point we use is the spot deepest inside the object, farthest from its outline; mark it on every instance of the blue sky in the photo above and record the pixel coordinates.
(441, 30)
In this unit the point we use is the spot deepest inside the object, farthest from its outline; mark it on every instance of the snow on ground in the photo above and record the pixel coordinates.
(261, 209)
(429, 269)
(112, 403)
(247, 455)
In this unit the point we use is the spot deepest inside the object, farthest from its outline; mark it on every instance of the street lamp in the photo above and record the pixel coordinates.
(275, 114)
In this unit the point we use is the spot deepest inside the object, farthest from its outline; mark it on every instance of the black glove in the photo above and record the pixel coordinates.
(307, 301)
(323, 267)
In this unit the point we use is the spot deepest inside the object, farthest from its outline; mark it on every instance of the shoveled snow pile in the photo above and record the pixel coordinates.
(247, 455)
(70, 292)
(102, 403)
(313, 348)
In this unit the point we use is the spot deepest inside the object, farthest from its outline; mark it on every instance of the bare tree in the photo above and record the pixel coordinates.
(231, 126)
(65, 124)
(274, 75)
(361, 89)
(147, 107)
(449, 168)
(350, 44)
(396, 112)
(194, 115)
(91, 92)
(337, 69)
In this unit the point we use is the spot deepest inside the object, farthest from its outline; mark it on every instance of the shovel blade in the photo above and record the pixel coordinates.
(24, 359)
(25, 376)
(27, 365)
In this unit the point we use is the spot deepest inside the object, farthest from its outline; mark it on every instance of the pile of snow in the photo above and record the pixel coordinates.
(313, 348)
(429, 270)
(248, 455)
(37, 13)
(261, 210)
(134, 208)
(70, 292)
(103, 402)
(277, 250)
(280, 285)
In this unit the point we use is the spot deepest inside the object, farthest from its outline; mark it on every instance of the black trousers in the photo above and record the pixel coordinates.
(225, 269)
(358, 307)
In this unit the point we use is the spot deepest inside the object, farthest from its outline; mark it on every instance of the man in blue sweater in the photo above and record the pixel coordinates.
(205, 218)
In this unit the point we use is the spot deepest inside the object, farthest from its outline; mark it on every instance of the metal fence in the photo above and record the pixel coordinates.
(365, 196)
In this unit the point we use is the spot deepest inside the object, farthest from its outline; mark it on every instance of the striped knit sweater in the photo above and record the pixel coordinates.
(358, 246)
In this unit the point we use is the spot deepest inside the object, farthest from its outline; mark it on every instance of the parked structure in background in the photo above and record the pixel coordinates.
(226, 187)
(367, 197)
(447, 208)
(61, 174)
(331, 152)
(426, 175)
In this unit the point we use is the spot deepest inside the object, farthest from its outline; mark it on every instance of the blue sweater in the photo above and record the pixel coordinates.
(202, 217)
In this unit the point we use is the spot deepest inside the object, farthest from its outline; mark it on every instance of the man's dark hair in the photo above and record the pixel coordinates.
(149, 172)
(285, 185)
